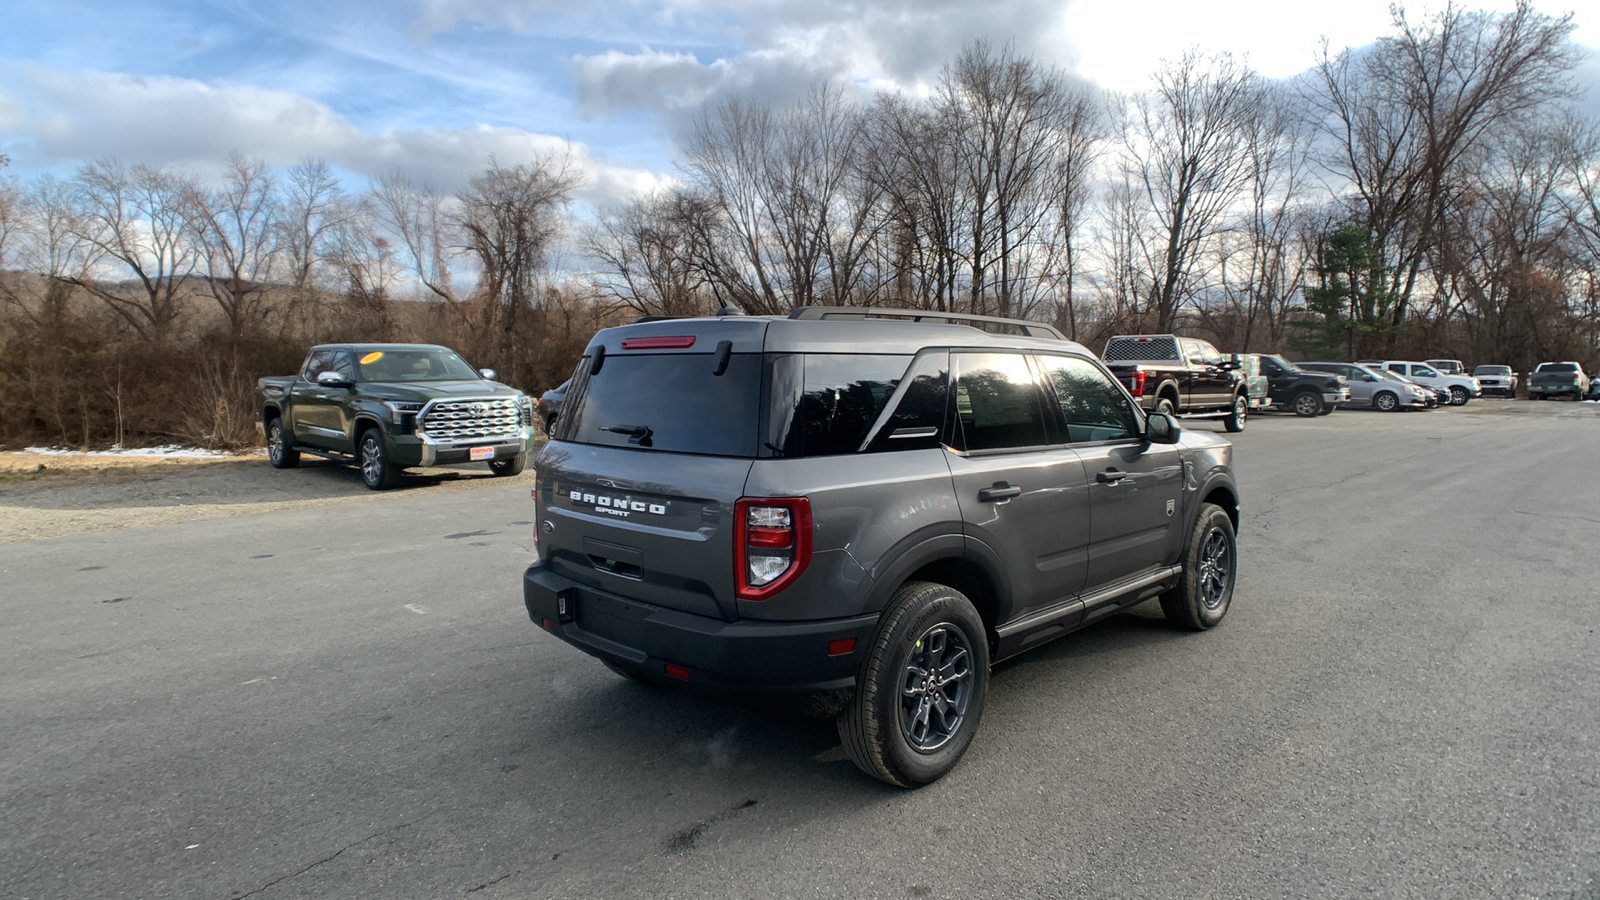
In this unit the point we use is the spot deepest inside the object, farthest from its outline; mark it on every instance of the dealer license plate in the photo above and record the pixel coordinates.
(477, 453)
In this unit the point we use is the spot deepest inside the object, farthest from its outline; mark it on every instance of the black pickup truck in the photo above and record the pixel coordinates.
(387, 407)
(1179, 375)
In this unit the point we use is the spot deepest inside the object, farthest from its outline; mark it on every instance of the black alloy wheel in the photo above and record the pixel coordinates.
(920, 692)
(1386, 401)
(1205, 589)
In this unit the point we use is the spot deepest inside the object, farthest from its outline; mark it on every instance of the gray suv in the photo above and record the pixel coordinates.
(864, 513)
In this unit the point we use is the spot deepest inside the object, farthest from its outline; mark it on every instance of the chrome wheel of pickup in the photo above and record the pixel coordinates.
(376, 472)
(1307, 403)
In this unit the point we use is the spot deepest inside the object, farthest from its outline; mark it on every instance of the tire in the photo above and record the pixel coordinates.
(550, 427)
(1307, 404)
(1234, 423)
(1386, 401)
(1459, 396)
(505, 468)
(1329, 408)
(372, 456)
(1205, 590)
(881, 726)
(1165, 405)
(280, 453)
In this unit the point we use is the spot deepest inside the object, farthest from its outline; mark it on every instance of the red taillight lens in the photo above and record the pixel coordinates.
(772, 538)
(1137, 387)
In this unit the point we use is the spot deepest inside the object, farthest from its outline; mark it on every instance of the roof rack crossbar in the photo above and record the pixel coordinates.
(1030, 329)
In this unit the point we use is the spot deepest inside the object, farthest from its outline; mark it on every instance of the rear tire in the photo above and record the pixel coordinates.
(1234, 423)
(1165, 405)
(1205, 590)
(920, 693)
(1307, 404)
(280, 453)
(377, 473)
(505, 468)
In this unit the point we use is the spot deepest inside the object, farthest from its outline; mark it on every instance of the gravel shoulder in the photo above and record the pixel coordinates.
(73, 495)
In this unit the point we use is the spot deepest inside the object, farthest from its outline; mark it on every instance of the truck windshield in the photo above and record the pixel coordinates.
(414, 365)
(1491, 370)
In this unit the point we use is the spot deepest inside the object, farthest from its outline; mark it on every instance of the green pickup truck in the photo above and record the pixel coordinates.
(387, 407)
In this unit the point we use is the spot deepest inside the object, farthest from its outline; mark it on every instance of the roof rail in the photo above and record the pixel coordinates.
(1031, 329)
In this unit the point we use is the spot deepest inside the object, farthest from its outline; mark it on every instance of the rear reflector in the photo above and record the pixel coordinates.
(678, 672)
(669, 342)
(842, 648)
(548, 625)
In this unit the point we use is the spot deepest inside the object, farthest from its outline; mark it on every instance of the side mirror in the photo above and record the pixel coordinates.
(1160, 428)
(1233, 363)
(332, 379)
(488, 374)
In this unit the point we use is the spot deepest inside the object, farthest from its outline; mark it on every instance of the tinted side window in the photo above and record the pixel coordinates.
(840, 398)
(1094, 408)
(997, 402)
(345, 365)
(1209, 354)
(917, 420)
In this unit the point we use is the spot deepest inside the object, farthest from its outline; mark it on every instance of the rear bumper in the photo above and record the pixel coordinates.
(744, 657)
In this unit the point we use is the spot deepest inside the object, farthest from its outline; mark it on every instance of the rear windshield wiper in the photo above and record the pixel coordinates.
(637, 434)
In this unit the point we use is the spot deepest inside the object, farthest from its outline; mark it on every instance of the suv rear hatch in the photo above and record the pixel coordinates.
(651, 453)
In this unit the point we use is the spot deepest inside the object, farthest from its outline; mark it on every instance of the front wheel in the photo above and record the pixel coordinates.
(1459, 396)
(508, 467)
(1234, 423)
(279, 453)
(920, 693)
(376, 470)
(1307, 404)
(1328, 408)
(1205, 589)
(1386, 402)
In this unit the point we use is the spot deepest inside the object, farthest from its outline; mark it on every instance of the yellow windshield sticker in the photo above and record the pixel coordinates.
(371, 358)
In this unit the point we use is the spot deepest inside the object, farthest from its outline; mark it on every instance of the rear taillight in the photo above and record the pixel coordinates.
(1136, 383)
(772, 541)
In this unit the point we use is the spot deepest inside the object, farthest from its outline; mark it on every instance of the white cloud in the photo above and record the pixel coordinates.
(58, 118)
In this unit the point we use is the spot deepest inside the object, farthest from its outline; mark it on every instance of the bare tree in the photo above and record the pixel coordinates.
(1185, 149)
(648, 257)
(236, 232)
(1401, 117)
(137, 218)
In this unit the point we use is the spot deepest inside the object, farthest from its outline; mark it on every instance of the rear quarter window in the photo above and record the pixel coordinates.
(825, 404)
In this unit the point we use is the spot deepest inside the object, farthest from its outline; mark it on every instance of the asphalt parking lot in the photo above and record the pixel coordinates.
(346, 699)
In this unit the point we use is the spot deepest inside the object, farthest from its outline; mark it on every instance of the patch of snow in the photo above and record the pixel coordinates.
(171, 451)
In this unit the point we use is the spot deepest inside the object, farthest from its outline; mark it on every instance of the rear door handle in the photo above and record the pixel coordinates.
(1000, 491)
(1110, 476)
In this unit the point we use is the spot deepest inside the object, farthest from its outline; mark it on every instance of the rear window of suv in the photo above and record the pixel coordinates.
(669, 402)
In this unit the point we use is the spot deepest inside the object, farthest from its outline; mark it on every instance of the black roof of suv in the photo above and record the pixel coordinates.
(862, 512)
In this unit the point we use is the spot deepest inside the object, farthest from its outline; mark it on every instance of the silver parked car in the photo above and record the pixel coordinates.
(1497, 380)
(1373, 388)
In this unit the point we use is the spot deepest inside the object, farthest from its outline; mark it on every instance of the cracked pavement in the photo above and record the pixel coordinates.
(346, 700)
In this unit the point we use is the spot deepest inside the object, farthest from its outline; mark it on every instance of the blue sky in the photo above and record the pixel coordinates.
(435, 86)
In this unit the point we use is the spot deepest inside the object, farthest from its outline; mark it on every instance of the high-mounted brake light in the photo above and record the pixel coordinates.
(1136, 385)
(772, 544)
(668, 342)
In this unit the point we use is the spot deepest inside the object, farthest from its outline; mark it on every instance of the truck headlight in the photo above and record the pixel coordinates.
(398, 411)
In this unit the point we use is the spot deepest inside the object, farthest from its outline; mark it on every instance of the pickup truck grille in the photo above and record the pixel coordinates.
(465, 420)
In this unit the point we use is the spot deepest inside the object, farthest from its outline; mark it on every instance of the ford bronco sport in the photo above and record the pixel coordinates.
(864, 513)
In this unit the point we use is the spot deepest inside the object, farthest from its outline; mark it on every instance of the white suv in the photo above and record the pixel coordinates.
(1461, 387)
